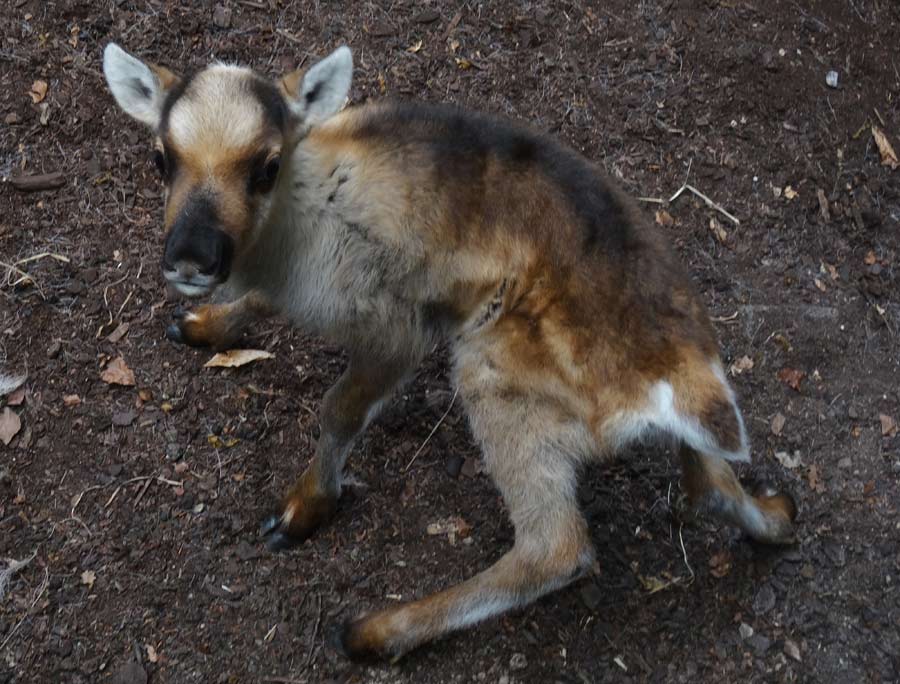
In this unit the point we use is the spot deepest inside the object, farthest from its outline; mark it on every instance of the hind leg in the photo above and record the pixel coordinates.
(536, 475)
(712, 487)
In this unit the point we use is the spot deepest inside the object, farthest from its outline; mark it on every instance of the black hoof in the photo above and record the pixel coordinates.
(173, 332)
(276, 538)
(336, 638)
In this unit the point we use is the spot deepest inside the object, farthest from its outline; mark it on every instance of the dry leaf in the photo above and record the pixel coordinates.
(720, 564)
(778, 423)
(788, 461)
(717, 230)
(820, 285)
(415, 48)
(118, 333)
(870, 258)
(664, 218)
(654, 584)
(815, 479)
(888, 425)
(117, 372)
(152, 656)
(217, 442)
(463, 63)
(888, 156)
(234, 358)
(9, 425)
(38, 91)
(790, 193)
(791, 377)
(88, 577)
(71, 400)
(16, 398)
(790, 649)
(744, 363)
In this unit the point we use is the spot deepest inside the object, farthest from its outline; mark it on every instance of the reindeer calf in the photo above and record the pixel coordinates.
(572, 328)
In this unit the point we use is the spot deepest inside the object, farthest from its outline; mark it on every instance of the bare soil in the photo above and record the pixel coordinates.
(142, 502)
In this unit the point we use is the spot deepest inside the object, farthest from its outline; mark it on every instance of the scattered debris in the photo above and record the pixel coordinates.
(814, 478)
(791, 377)
(888, 425)
(717, 230)
(720, 564)
(831, 79)
(12, 567)
(788, 461)
(745, 630)
(88, 577)
(117, 372)
(744, 363)
(824, 209)
(38, 91)
(10, 424)
(235, 358)
(71, 400)
(778, 424)
(888, 156)
(790, 193)
(664, 218)
(39, 181)
(453, 527)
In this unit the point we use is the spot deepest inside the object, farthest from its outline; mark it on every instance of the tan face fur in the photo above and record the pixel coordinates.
(219, 138)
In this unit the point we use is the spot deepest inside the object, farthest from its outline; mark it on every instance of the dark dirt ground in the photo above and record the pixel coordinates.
(131, 564)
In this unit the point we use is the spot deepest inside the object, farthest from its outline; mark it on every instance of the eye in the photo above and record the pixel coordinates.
(267, 175)
(159, 161)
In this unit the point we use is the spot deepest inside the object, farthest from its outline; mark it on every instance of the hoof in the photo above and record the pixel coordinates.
(173, 332)
(346, 640)
(276, 535)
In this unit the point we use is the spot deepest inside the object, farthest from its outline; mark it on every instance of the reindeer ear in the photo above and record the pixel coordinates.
(321, 91)
(140, 89)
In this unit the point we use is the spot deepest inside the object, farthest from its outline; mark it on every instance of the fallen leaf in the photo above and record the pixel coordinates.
(720, 564)
(814, 478)
(10, 424)
(717, 230)
(790, 193)
(824, 209)
(117, 372)
(791, 377)
(870, 258)
(654, 584)
(820, 285)
(463, 63)
(664, 218)
(744, 363)
(830, 270)
(38, 91)
(415, 47)
(152, 656)
(778, 423)
(888, 425)
(88, 577)
(788, 461)
(234, 358)
(16, 398)
(71, 400)
(888, 156)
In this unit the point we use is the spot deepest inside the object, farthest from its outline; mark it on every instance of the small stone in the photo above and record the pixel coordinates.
(222, 16)
(764, 601)
(518, 662)
(123, 418)
(130, 673)
(845, 462)
(745, 630)
(454, 465)
(53, 349)
(807, 571)
(591, 596)
(759, 644)
(173, 451)
(11, 119)
(791, 650)
(831, 79)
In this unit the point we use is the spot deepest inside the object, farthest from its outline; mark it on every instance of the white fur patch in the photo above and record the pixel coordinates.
(660, 414)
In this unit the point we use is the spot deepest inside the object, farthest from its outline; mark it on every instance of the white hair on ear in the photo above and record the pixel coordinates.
(325, 87)
(134, 85)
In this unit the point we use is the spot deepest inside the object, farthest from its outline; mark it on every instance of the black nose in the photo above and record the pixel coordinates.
(196, 243)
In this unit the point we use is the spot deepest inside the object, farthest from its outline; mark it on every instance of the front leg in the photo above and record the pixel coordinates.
(218, 325)
(347, 409)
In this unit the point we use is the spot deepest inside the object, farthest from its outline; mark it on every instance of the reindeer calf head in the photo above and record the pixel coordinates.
(220, 140)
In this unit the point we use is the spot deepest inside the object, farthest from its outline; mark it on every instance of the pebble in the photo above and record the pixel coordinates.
(764, 601)
(454, 465)
(831, 79)
(745, 630)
